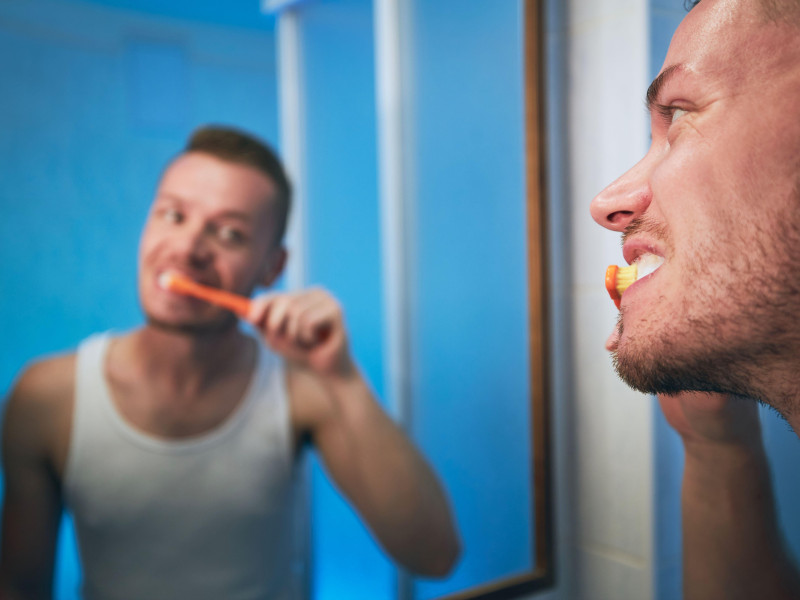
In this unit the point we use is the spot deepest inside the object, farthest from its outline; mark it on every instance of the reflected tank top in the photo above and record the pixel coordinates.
(207, 517)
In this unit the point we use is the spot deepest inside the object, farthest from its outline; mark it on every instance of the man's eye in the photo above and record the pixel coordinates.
(231, 235)
(677, 113)
(670, 113)
(170, 215)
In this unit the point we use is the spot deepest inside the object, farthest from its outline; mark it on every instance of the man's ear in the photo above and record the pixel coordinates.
(274, 266)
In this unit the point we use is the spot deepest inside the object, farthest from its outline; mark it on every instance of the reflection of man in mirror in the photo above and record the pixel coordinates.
(173, 445)
(717, 197)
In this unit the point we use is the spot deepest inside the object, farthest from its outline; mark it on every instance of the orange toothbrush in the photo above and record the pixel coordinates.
(175, 282)
(618, 279)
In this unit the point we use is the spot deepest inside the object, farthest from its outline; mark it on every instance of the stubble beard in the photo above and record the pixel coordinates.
(201, 329)
(730, 333)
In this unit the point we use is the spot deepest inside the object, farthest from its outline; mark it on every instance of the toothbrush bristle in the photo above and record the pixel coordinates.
(166, 280)
(625, 277)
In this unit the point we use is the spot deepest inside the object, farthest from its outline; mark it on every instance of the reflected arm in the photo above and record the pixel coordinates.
(369, 458)
(32, 504)
(376, 466)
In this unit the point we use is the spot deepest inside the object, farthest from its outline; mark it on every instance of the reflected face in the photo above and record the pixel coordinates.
(718, 198)
(213, 221)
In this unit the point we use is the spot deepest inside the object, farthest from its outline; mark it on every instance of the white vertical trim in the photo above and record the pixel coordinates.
(292, 124)
(607, 65)
(277, 6)
(292, 130)
(392, 210)
(394, 219)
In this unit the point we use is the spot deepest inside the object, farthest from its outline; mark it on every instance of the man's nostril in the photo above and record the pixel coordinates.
(620, 217)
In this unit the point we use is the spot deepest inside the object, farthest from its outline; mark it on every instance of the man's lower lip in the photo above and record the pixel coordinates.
(638, 283)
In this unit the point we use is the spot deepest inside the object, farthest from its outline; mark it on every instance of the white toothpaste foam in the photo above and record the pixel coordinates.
(648, 264)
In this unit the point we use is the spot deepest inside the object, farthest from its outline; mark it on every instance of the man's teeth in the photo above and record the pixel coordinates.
(647, 264)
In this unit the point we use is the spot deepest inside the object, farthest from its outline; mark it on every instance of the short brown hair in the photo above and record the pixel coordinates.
(771, 10)
(236, 146)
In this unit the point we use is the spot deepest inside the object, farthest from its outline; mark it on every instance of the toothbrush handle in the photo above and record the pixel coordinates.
(240, 305)
(611, 284)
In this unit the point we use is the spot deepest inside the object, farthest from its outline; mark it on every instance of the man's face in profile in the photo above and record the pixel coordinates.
(213, 221)
(718, 197)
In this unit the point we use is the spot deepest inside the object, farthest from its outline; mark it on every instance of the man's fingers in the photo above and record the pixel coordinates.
(278, 314)
(307, 327)
(259, 307)
(317, 321)
(296, 315)
(712, 417)
(300, 317)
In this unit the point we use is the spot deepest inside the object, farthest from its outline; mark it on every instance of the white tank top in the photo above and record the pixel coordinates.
(207, 517)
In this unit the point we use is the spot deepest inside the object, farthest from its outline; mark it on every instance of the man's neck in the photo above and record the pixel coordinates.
(190, 360)
(776, 382)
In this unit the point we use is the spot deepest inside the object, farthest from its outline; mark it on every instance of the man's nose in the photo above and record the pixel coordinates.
(194, 244)
(624, 200)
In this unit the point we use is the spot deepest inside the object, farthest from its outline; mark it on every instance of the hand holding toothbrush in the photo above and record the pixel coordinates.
(305, 327)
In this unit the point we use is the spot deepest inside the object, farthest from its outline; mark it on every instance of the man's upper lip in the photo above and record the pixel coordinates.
(634, 248)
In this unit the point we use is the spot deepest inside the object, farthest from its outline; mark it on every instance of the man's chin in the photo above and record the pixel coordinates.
(193, 328)
(649, 379)
(661, 375)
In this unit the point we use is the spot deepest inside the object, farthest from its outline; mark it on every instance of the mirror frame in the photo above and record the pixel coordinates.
(541, 575)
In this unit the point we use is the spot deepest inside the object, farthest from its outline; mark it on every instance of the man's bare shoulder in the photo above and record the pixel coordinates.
(39, 407)
(45, 382)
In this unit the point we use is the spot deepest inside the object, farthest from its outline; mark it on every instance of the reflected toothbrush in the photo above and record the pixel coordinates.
(175, 282)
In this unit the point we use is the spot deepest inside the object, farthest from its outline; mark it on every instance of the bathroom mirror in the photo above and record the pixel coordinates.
(433, 108)
(100, 94)
(539, 572)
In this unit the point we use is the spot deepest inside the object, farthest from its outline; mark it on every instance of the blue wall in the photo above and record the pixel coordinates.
(95, 101)
(240, 14)
(470, 381)
(343, 254)
(467, 247)
(101, 100)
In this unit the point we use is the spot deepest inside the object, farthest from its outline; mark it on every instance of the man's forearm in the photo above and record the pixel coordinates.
(732, 547)
(390, 482)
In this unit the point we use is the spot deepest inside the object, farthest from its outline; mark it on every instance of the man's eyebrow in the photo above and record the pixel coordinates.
(658, 83)
(235, 214)
(168, 197)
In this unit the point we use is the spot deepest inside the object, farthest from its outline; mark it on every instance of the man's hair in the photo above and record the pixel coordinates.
(772, 10)
(236, 146)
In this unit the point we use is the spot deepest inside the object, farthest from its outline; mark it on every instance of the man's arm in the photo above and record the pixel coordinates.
(32, 496)
(732, 547)
(367, 455)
